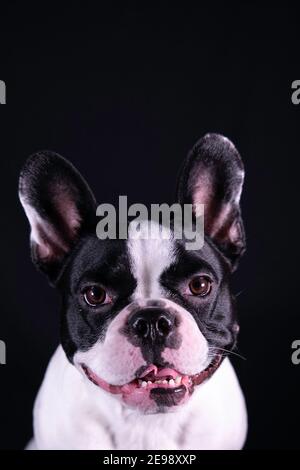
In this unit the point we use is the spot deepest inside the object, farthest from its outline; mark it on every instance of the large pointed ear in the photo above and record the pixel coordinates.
(213, 175)
(59, 205)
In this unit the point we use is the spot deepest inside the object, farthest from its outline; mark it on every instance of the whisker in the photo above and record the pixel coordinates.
(239, 293)
(228, 352)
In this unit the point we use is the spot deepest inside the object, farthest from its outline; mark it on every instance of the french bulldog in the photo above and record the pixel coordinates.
(146, 325)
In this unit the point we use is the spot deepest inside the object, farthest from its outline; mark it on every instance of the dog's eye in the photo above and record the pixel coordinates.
(95, 295)
(200, 285)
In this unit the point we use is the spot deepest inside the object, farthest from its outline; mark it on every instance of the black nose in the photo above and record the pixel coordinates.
(151, 324)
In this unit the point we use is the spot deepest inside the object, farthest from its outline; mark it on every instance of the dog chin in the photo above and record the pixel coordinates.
(156, 390)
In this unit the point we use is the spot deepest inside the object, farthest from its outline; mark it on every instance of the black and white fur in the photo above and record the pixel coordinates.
(148, 281)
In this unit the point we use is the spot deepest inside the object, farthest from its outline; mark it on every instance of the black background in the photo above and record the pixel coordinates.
(124, 93)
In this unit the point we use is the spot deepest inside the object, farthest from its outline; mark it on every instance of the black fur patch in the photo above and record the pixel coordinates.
(215, 315)
(94, 261)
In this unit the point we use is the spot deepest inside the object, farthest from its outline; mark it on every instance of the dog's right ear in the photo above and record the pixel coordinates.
(213, 175)
(60, 208)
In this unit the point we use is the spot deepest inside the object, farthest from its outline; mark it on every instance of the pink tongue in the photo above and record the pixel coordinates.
(160, 373)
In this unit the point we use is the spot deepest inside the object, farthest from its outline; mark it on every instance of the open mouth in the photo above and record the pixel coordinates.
(164, 385)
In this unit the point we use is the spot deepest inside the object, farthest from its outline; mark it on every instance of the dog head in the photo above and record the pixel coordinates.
(144, 319)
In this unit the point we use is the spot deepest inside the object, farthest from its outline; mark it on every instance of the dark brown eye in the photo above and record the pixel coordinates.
(200, 285)
(94, 295)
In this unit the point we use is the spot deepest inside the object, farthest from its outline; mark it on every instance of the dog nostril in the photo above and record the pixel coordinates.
(151, 324)
(141, 327)
(163, 326)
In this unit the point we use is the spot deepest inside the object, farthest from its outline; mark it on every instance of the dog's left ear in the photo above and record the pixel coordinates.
(213, 175)
(60, 208)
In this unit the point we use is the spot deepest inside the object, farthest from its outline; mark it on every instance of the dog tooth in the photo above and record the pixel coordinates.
(178, 380)
(144, 384)
(149, 382)
(158, 381)
(165, 382)
(172, 382)
(140, 383)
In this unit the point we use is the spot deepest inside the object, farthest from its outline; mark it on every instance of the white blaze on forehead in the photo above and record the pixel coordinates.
(151, 251)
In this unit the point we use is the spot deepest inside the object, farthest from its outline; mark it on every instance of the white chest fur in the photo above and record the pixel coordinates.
(71, 413)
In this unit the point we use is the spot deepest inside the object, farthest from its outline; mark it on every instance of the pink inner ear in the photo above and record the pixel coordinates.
(221, 219)
(214, 214)
(54, 241)
(217, 215)
(203, 192)
(235, 232)
(63, 201)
